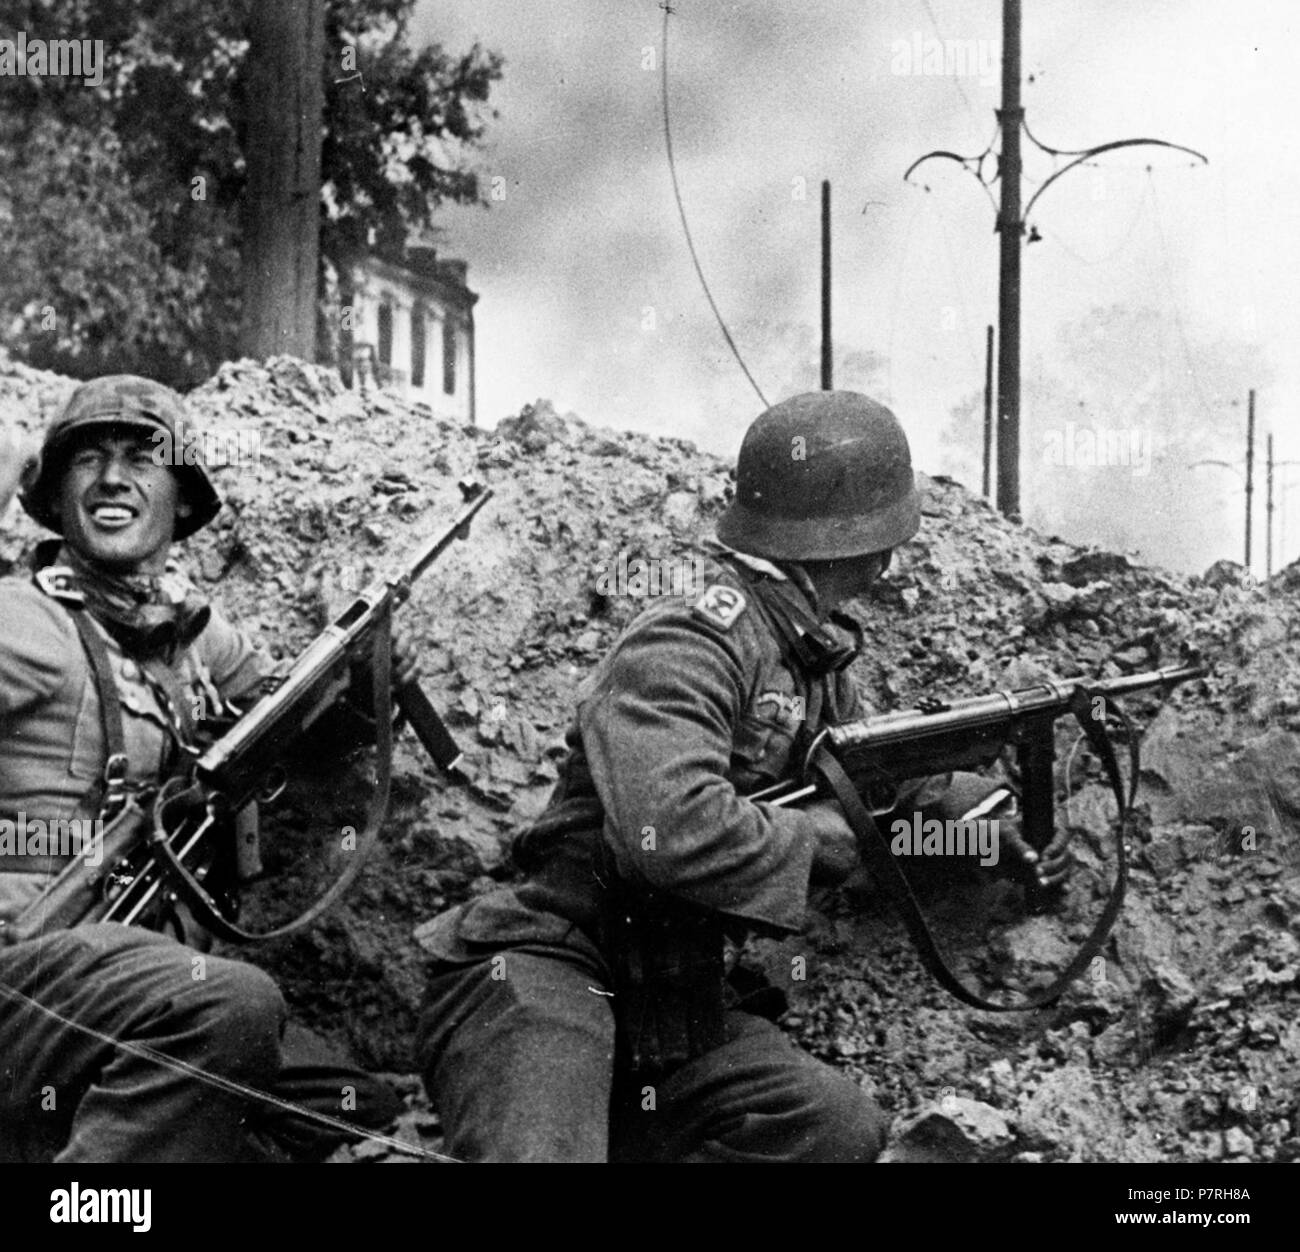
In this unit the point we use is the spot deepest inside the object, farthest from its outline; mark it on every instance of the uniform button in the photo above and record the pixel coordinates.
(130, 670)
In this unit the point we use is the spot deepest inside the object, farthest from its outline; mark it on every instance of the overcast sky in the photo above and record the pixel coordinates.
(588, 294)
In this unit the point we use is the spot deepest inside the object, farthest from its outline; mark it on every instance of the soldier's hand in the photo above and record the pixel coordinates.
(406, 663)
(18, 460)
(1048, 868)
(835, 849)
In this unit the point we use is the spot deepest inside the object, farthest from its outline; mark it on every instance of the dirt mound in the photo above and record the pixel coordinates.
(1180, 1044)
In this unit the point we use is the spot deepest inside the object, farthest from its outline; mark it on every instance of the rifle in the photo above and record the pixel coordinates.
(247, 764)
(864, 764)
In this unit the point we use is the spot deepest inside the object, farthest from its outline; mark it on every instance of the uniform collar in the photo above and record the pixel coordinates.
(146, 613)
(792, 573)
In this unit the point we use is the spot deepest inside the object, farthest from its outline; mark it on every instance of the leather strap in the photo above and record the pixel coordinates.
(108, 792)
(878, 858)
(162, 841)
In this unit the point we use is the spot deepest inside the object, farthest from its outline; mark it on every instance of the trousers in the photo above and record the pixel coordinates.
(69, 1092)
(518, 1056)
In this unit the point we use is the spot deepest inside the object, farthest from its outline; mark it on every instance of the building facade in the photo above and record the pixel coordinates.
(413, 331)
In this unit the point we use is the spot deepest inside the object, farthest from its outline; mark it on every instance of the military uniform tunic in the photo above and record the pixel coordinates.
(694, 707)
(126, 982)
(52, 748)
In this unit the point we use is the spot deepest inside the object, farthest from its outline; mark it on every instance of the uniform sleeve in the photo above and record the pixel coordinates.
(658, 733)
(36, 647)
(236, 664)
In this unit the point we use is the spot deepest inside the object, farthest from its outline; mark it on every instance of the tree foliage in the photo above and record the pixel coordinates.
(119, 203)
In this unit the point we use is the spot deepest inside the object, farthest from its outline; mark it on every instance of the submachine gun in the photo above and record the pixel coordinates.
(865, 764)
(160, 846)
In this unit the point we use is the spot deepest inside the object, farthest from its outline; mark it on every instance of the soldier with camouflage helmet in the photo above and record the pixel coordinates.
(594, 1011)
(110, 659)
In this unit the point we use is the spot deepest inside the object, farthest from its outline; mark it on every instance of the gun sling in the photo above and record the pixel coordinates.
(197, 897)
(879, 859)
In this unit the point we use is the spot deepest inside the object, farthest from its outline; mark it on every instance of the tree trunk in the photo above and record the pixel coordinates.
(281, 220)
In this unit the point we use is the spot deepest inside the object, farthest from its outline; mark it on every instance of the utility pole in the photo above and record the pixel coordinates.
(1268, 515)
(988, 407)
(1248, 479)
(827, 357)
(1011, 226)
(1250, 468)
(1268, 511)
(1011, 118)
(284, 105)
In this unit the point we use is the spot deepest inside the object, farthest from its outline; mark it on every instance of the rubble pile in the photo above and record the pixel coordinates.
(1181, 1042)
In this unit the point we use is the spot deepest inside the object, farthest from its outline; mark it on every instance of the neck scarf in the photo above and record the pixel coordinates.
(148, 614)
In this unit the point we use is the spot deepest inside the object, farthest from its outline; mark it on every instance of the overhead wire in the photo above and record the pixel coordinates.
(681, 213)
(1174, 303)
(956, 78)
(1129, 231)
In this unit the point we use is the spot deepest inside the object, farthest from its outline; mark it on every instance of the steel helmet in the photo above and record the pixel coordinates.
(124, 400)
(822, 476)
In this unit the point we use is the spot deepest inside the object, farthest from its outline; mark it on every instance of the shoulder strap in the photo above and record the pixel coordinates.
(108, 792)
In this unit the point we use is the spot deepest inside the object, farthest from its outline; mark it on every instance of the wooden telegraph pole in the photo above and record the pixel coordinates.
(988, 408)
(1250, 469)
(1011, 117)
(827, 355)
(285, 97)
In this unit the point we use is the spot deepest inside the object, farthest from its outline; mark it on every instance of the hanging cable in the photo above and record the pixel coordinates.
(681, 212)
(956, 79)
(1174, 305)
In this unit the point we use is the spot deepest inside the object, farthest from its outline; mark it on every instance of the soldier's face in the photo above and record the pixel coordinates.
(860, 572)
(118, 506)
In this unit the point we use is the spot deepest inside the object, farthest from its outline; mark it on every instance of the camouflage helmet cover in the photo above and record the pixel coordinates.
(121, 400)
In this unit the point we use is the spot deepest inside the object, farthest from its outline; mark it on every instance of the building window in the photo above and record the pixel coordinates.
(418, 344)
(386, 334)
(449, 356)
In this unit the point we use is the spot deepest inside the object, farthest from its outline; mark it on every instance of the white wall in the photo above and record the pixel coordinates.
(371, 291)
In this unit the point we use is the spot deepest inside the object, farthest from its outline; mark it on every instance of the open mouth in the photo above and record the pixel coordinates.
(112, 516)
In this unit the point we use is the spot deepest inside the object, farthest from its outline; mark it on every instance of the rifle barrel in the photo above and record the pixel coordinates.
(442, 541)
(992, 710)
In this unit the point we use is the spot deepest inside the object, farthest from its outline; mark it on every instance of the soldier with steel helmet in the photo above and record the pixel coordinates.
(110, 658)
(593, 1011)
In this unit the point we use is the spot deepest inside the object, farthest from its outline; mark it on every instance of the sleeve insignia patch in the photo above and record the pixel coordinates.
(720, 605)
(788, 708)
